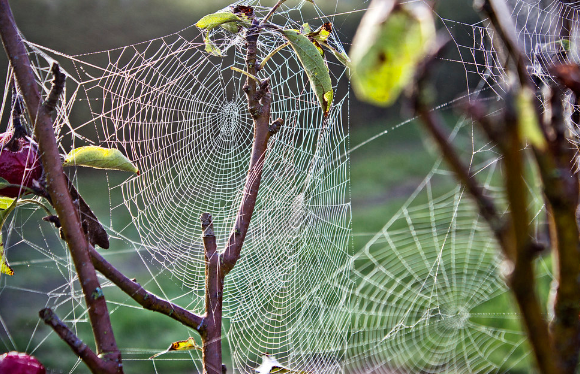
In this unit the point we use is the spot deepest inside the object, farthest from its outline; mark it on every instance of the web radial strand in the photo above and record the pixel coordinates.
(181, 115)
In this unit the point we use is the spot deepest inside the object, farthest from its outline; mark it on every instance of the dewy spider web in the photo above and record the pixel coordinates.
(423, 295)
(181, 115)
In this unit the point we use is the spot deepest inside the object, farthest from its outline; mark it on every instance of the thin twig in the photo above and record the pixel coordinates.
(79, 348)
(274, 8)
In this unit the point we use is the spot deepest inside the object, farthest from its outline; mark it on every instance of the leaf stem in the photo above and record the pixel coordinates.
(246, 74)
(271, 54)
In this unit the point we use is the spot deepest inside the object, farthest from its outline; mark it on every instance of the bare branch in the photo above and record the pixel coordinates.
(89, 357)
(144, 298)
(211, 331)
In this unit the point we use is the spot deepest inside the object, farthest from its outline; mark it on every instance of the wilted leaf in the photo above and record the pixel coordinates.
(99, 158)
(322, 33)
(4, 267)
(389, 44)
(314, 66)
(211, 48)
(216, 19)
(182, 345)
(244, 11)
(528, 124)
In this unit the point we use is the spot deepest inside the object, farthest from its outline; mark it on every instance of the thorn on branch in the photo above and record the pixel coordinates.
(56, 89)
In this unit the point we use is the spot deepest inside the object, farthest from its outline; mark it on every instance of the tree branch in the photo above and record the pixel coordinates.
(561, 188)
(57, 188)
(144, 298)
(211, 330)
(514, 239)
(259, 100)
(79, 348)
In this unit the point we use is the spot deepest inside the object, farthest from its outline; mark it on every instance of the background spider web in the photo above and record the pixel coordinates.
(425, 294)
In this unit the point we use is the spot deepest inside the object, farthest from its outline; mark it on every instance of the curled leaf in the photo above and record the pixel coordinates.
(182, 345)
(211, 48)
(314, 66)
(389, 44)
(100, 158)
(216, 19)
(322, 33)
(244, 11)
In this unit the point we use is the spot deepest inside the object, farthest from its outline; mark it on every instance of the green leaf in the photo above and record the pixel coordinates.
(314, 66)
(99, 158)
(5, 184)
(389, 44)
(211, 48)
(216, 19)
(528, 124)
(342, 57)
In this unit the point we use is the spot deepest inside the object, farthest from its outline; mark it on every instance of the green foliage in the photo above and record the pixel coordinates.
(390, 42)
(307, 47)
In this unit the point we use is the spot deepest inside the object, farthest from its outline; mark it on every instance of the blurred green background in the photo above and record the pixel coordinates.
(384, 172)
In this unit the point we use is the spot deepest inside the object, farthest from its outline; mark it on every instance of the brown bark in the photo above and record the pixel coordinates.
(211, 328)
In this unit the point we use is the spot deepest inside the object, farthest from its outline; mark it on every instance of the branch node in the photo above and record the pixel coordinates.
(57, 88)
(275, 126)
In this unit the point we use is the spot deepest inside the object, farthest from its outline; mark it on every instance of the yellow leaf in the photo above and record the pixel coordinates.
(182, 345)
(99, 158)
(4, 267)
(322, 33)
(528, 124)
(389, 44)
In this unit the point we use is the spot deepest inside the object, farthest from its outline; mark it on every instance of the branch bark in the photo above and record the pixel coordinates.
(211, 328)
(57, 189)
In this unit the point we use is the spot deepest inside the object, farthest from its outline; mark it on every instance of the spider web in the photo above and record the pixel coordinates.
(425, 294)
